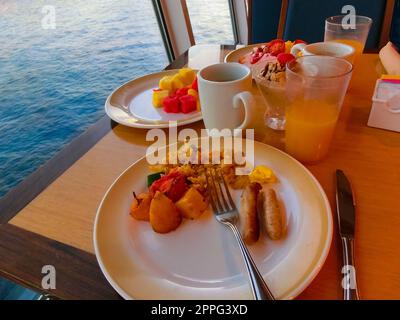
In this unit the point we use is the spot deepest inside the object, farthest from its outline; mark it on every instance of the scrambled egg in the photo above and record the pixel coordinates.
(262, 175)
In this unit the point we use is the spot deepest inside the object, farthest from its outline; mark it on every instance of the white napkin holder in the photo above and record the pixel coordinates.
(385, 112)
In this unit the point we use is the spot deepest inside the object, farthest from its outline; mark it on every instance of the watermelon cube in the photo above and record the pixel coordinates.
(171, 105)
(195, 85)
(188, 103)
(182, 92)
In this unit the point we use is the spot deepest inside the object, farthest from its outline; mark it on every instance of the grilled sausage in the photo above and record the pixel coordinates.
(249, 223)
(270, 213)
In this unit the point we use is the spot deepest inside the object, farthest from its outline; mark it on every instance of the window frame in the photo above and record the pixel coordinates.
(176, 28)
(240, 21)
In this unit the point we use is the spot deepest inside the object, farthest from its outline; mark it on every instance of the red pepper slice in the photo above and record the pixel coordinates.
(173, 185)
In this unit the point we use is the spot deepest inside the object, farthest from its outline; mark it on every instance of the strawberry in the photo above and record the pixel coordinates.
(284, 58)
(299, 41)
(255, 57)
(276, 47)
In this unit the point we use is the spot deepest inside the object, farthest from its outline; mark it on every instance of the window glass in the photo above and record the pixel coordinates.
(59, 61)
(211, 21)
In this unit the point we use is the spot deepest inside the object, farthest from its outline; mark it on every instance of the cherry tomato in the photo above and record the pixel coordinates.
(276, 47)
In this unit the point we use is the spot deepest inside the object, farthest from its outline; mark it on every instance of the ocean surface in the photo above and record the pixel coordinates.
(59, 60)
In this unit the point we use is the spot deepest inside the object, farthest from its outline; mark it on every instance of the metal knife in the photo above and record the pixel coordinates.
(346, 216)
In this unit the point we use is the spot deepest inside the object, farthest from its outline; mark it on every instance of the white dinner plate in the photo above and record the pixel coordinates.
(201, 259)
(235, 55)
(137, 96)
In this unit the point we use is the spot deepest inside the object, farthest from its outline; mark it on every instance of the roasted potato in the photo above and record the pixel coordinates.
(140, 208)
(270, 213)
(249, 223)
(164, 216)
(192, 204)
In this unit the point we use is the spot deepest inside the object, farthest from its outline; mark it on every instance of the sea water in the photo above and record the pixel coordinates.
(60, 59)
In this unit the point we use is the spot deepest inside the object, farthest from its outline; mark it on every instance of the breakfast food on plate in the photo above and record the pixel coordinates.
(259, 202)
(173, 185)
(179, 191)
(178, 93)
(170, 198)
(140, 208)
(249, 225)
(262, 175)
(192, 204)
(270, 213)
(164, 215)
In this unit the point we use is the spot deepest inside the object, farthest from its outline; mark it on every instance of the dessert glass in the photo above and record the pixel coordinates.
(273, 93)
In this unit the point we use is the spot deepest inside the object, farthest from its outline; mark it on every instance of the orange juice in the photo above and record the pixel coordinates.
(309, 129)
(357, 45)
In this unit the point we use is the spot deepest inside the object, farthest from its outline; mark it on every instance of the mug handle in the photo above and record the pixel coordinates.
(246, 100)
(297, 48)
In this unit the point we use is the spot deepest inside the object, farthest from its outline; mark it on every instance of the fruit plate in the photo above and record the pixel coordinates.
(137, 96)
(201, 259)
(235, 55)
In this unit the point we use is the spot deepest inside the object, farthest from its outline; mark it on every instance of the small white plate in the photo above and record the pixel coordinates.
(235, 55)
(137, 96)
(201, 259)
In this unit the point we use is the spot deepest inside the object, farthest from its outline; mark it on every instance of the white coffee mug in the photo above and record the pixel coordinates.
(328, 48)
(226, 101)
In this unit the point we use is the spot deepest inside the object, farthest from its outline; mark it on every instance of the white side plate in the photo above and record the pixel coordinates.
(137, 95)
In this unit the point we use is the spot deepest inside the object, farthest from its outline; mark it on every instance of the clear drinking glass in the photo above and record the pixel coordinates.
(339, 29)
(315, 89)
(274, 96)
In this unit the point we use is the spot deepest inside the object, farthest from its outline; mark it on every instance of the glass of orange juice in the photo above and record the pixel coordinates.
(315, 89)
(351, 30)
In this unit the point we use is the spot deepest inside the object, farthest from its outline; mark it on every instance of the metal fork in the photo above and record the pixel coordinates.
(225, 212)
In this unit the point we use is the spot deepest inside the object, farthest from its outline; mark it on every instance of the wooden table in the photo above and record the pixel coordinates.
(56, 226)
